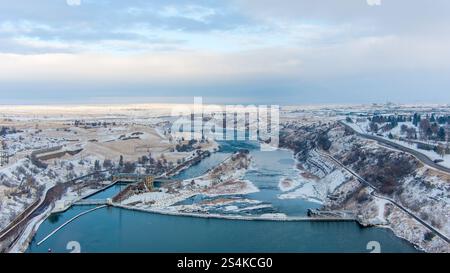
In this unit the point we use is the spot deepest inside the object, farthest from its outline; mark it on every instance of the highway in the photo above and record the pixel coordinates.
(392, 201)
(25, 217)
(421, 157)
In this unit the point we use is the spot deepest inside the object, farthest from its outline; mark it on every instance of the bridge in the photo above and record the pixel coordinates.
(134, 178)
(149, 180)
(128, 177)
(91, 202)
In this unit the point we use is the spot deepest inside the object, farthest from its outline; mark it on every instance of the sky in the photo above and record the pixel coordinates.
(227, 51)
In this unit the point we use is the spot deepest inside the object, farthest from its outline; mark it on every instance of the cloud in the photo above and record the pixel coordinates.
(373, 2)
(282, 45)
(95, 22)
(359, 57)
(192, 12)
(73, 2)
(400, 16)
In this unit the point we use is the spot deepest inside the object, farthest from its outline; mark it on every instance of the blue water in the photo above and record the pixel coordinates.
(119, 230)
(202, 167)
(225, 149)
(269, 167)
(108, 192)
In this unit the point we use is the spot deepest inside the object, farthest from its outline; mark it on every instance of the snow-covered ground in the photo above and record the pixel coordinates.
(22, 183)
(312, 183)
(129, 133)
(317, 179)
(423, 191)
(431, 154)
(362, 127)
(224, 180)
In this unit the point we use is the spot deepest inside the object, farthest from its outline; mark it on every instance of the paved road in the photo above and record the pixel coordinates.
(395, 203)
(421, 157)
(45, 201)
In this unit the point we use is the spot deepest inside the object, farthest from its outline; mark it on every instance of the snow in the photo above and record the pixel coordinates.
(22, 242)
(287, 184)
(428, 190)
(231, 208)
(262, 206)
(273, 216)
(431, 154)
(362, 128)
(315, 190)
(306, 191)
(379, 219)
(334, 180)
(13, 177)
(240, 187)
(160, 199)
(357, 127)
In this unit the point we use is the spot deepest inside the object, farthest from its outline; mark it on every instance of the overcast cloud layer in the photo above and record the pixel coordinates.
(243, 51)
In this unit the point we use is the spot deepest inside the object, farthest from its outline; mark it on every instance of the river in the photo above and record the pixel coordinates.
(119, 230)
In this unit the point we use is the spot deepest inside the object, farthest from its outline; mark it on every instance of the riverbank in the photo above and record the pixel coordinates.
(183, 209)
(114, 230)
(263, 217)
(22, 242)
(275, 217)
(64, 203)
(395, 174)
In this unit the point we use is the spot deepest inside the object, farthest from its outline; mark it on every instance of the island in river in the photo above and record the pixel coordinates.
(254, 193)
(232, 183)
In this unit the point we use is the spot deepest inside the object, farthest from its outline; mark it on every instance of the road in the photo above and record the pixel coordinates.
(47, 199)
(421, 157)
(392, 201)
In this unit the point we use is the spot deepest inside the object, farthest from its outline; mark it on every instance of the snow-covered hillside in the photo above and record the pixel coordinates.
(397, 175)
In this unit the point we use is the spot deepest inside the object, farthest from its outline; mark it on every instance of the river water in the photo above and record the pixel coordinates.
(120, 230)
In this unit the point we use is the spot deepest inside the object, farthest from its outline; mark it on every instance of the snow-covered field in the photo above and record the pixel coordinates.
(72, 141)
(133, 131)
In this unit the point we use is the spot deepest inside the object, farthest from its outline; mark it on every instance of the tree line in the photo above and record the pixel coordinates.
(428, 127)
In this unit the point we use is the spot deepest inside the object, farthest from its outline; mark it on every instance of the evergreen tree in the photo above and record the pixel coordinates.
(121, 161)
(97, 165)
(416, 119)
(441, 134)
